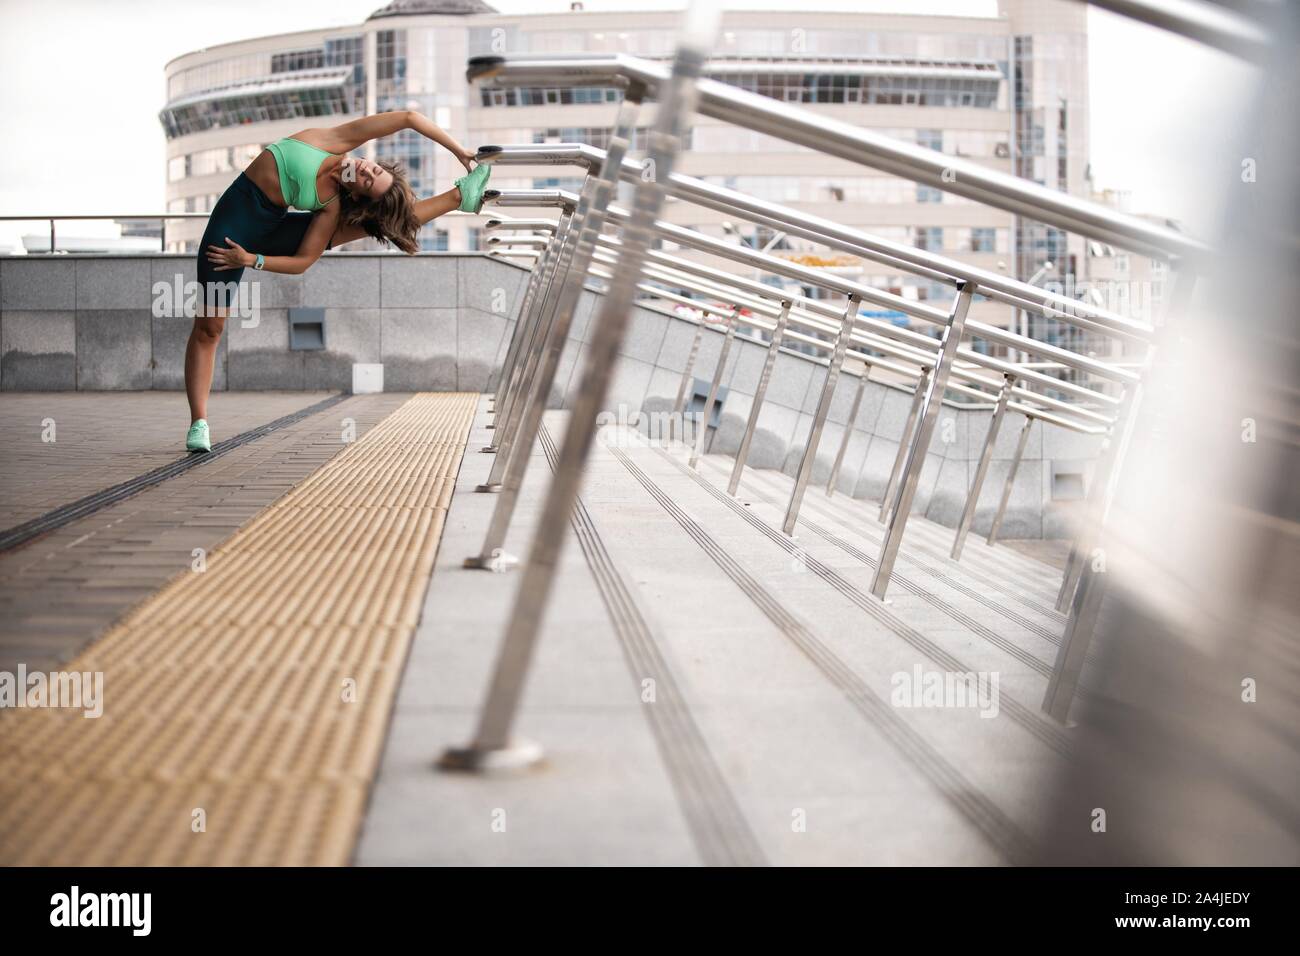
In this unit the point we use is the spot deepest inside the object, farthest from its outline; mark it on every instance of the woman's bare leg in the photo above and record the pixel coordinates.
(200, 361)
(429, 209)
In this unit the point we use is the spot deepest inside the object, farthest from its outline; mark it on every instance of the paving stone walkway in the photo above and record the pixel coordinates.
(103, 438)
(59, 592)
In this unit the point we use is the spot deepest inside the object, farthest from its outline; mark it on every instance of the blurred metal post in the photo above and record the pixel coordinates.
(1011, 480)
(904, 441)
(679, 406)
(742, 455)
(982, 469)
(494, 745)
(848, 429)
(1112, 453)
(1084, 600)
(703, 427)
(819, 418)
(920, 443)
(1082, 544)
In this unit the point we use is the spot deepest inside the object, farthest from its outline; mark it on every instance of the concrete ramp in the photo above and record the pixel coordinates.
(711, 691)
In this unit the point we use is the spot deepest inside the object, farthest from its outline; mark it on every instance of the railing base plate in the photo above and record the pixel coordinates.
(499, 562)
(520, 755)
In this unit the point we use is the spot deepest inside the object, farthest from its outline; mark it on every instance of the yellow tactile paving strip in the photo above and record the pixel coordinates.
(225, 692)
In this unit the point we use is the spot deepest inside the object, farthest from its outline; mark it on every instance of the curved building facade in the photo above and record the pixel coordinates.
(1008, 91)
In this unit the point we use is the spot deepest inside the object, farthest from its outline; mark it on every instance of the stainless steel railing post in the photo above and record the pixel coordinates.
(904, 442)
(848, 430)
(1011, 480)
(542, 318)
(773, 348)
(819, 418)
(493, 743)
(1095, 504)
(679, 405)
(588, 219)
(545, 339)
(537, 279)
(920, 444)
(703, 428)
(524, 332)
(981, 470)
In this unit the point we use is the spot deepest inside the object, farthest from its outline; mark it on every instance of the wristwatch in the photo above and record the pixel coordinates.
(259, 262)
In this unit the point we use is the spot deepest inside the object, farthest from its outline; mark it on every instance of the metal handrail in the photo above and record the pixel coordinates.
(819, 277)
(970, 357)
(1013, 292)
(812, 276)
(1220, 29)
(834, 137)
(726, 291)
(872, 362)
(922, 342)
(579, 253)
(161, 217)
(914, 355)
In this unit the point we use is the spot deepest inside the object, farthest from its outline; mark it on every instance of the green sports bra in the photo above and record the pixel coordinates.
(299, 165)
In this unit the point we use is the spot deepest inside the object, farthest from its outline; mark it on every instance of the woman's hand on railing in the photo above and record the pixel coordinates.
(466, 157)
(431, 130)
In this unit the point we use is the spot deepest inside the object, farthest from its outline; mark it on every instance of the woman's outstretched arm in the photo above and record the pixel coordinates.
(358, 132)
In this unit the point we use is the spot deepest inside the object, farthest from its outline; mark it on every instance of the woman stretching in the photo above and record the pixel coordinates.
(343, 197)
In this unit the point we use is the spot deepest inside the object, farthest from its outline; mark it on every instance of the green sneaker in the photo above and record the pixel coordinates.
(197, 439)
(471, 187)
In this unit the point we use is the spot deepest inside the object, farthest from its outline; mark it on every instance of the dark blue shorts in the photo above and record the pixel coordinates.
(245, 215)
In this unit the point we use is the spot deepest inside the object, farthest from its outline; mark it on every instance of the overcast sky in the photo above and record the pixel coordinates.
(81, 83)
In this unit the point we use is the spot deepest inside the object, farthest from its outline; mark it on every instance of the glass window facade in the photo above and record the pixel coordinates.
(929, 238)
(390, 59)
(206, 162)
(434, 240)
(979, 93)
(873, 190)
(297, 60)
(597, 136)
(571, 183)
(221, 112)
(420, 67)
(325, 81)
(541, 96)
(654, 41)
